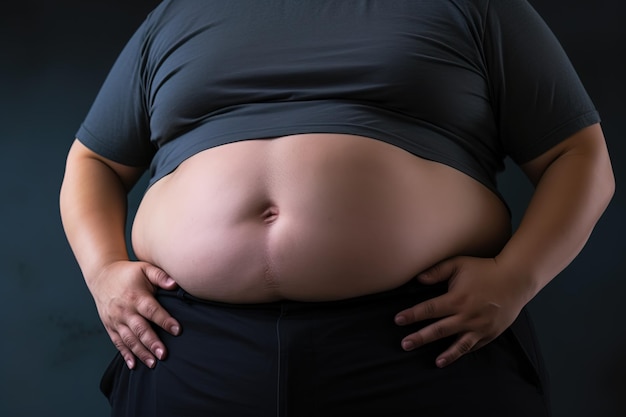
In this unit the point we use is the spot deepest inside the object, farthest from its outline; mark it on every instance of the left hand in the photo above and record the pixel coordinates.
(482, 301)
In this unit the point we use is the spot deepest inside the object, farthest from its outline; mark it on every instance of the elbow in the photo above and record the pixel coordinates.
(604, 179)
(607, 177)
(608, 185)
(599, 161)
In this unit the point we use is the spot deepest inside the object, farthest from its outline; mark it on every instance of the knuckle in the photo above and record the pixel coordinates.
(109, 328)
(429, 309)
(154, 274)
(439, 331)
(117, 313)
(119, 345)
(139, 329)
(132, 298)
(165, 323)
(464, 346)
(159, 274)
(129, 341)
(460, 301)
(148, 308)
(152, 309)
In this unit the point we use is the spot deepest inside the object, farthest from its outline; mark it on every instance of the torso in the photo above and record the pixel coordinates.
(311, 217)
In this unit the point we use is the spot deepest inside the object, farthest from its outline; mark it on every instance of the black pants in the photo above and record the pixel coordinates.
(328, 359)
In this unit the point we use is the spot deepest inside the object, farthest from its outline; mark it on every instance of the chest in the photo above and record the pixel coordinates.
(420, 58)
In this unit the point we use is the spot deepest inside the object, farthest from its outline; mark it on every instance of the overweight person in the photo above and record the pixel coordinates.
(322, 233)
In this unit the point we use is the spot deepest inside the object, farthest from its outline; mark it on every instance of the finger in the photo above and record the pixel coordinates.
(441, 272)
(128, 356)
(462, 346)
(433, 332)
(432, 308)
(147, 336)
(149, 308)
(158, 277)
(130, 340)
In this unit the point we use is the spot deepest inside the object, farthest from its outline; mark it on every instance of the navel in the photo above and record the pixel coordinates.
(270, 214)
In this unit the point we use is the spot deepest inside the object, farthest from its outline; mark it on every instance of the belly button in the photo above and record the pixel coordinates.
(270, 214)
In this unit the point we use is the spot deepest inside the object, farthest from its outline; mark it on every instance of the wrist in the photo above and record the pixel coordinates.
(521, 275)
(95, 270)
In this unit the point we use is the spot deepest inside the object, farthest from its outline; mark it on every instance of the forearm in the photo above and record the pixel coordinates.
(93, 210)
(570, 197)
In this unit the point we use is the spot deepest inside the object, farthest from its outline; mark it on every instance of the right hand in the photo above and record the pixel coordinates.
(124, 296)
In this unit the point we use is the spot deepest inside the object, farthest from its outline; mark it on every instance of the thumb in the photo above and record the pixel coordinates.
(159, 278)
(440, 272)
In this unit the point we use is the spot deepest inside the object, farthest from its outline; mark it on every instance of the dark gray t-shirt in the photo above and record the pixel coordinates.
(461, 82)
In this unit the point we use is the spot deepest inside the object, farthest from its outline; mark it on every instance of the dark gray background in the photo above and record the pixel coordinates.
(54, 56)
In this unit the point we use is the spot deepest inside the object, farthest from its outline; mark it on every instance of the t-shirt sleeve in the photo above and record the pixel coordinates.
(117, 125)
(538, 97)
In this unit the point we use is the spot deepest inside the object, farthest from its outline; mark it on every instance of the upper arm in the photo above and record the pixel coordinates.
(128, 175)
(117, 126)
(588, 143)
(538, 99)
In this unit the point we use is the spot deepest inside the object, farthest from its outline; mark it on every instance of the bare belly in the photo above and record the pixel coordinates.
(311, 217)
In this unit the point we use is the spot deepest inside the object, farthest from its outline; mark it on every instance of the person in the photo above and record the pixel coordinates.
(322, 232)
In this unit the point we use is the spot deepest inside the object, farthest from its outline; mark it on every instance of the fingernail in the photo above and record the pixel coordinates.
(150, 363)
(401, 320)
(130, 364)
(441, 362)
(159, 353)
(175, 330)
(408, 345)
